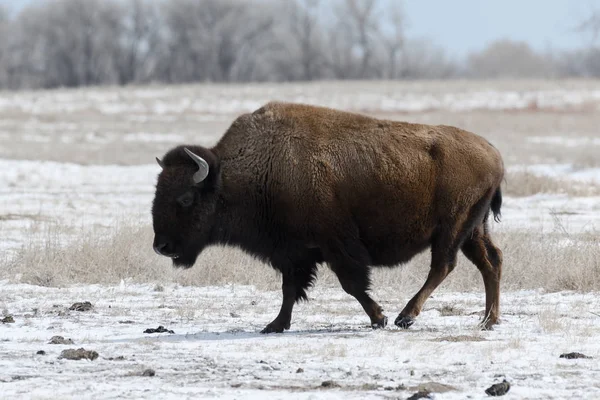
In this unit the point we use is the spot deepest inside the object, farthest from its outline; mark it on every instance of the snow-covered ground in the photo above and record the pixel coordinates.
(217, 352)
(394, 96)
(103, 143)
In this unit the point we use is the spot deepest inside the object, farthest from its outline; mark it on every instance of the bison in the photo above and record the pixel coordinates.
(298, 185)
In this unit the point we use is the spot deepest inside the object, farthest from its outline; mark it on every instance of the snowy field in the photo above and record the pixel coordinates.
(80, 163)
(216, 352)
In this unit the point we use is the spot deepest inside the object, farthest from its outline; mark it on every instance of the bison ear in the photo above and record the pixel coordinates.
(160, 163)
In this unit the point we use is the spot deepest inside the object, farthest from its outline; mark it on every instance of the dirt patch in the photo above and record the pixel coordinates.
(433, 387)
(78, 354)
(18, 217)
(450, 311)
(459, 338)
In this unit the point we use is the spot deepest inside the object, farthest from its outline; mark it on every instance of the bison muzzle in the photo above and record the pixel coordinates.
(297, 185)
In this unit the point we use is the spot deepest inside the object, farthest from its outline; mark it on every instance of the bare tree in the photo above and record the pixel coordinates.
(139, 43)
(508, 59)
(351, 40)
(392, 38)
(4, 54)
(585, 62)
(307, 49)
(423, 60)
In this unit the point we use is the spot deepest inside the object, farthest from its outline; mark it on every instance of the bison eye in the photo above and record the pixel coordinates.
(186, 199)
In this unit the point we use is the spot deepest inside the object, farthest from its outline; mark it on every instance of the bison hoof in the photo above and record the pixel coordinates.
(404, 321)
(382, 323)
(274, 328)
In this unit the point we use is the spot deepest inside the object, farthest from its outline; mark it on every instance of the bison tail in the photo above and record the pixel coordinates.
(496, 204)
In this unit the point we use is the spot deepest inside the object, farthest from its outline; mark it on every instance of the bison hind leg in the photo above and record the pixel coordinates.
(482, 252)
(350, 260)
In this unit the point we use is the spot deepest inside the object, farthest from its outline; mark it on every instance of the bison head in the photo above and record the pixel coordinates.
(185, 201)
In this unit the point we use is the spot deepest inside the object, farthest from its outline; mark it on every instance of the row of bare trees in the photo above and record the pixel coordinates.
(97, 42)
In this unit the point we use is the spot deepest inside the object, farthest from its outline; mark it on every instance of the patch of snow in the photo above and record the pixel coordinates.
(224, 100)
(214, 354)
(565, 141)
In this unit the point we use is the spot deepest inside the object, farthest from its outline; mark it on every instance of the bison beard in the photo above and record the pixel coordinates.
(297, 186)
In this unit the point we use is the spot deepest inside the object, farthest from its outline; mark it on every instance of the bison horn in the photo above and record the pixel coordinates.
(160, 163)
(202, 172)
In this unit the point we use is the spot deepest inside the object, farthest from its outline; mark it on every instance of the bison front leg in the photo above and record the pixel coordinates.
(284, 318)
(295, 282)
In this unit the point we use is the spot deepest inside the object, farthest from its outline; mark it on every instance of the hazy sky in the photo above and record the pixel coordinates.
(465, 25)
(461, 26)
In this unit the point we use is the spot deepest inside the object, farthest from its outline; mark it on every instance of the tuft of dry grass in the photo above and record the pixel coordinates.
(526, 183)
(553, 261)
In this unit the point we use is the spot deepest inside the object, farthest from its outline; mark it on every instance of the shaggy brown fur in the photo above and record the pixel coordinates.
(298, 185)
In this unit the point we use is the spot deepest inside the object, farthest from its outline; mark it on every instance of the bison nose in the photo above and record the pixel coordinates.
(162, 247)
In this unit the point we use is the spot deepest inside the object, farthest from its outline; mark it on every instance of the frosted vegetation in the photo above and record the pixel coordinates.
(57, 43)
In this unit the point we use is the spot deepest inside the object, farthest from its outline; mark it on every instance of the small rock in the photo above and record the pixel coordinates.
(330, 384)
(253, 303)
(8, 319)
(159, 288)
(118, 358)
(148, 372)
(423, 394)
(127, 321)
(397, 388)
(81, 306)
(299, 370)
(573, 355)
(235, 385)
(498, 389)
(60, 340)
(160, 329)
(41, 352)
(234, 315)
(78, 354)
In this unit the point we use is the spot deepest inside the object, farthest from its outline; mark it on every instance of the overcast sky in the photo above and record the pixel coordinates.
(465, 25)
(461, 26)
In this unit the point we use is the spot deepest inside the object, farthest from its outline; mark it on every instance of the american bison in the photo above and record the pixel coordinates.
(298, 185)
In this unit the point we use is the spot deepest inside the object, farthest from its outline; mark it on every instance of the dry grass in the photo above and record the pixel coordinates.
(525, 183)
(553, 261)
